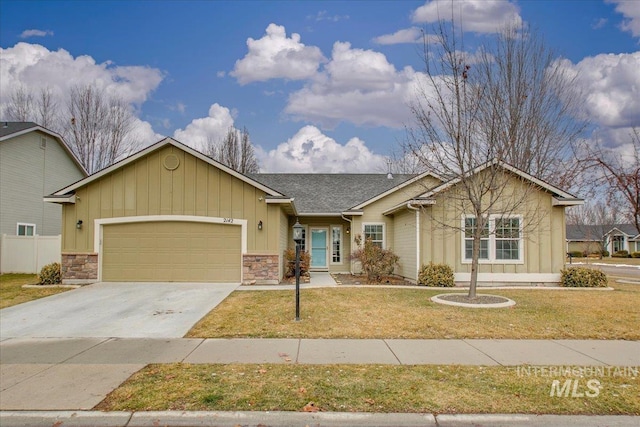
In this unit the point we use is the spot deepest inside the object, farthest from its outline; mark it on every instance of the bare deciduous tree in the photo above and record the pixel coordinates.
(99, 129)
(235, 151)
(41, 108)
(473, 121)
(535, 104)
(620, 174)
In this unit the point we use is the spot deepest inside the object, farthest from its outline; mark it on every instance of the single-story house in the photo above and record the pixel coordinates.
(591, 239)
(623, 237)
(170, 213)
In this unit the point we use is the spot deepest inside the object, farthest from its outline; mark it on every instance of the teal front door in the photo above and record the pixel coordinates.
(318, 248)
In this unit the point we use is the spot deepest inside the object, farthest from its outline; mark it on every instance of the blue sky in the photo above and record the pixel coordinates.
(337, 73)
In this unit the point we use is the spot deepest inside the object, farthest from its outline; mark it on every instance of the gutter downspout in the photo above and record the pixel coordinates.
(417, 210)
(349, 221)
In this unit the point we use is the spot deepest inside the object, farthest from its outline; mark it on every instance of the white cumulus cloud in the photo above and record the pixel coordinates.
(36, 67)
(479, 16)
(631, 12)
(359, 86)
(310, 151)
(407, 35)
(277, 56)
(35, 33)
(202, 131)
(610, 84)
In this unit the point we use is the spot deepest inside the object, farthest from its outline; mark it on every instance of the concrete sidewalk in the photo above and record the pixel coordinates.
(77, 373)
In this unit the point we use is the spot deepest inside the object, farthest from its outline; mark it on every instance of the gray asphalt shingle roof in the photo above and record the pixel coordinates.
(579, 232)
(329, 193)
(8, 128)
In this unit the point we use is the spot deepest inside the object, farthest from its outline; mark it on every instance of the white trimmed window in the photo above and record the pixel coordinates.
(501, 241)
(24, 229)
(375, 232)
(469, 230)
(336, 244)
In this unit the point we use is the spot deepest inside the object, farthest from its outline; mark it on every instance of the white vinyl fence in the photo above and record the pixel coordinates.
(28, 254)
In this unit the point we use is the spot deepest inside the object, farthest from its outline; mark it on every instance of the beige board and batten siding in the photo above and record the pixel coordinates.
(405, 243)
(146, 188)
(33, 165)
(542, 238)
(373, 214)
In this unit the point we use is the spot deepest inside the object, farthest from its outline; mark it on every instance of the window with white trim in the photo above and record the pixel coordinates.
(501, 241)
(336, 244)
(24, 229)
(469, 230)
(375, 232)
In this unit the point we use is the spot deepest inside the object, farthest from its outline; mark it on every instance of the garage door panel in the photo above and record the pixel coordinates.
(167, 251)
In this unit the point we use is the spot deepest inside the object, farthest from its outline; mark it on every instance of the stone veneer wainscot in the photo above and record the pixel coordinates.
(260, 269)
(79, 267)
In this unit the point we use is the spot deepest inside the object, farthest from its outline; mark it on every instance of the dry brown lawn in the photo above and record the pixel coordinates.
(364, 388)
(12, 292)
(408, 313)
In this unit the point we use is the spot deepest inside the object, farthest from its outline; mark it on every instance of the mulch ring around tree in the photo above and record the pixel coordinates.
(358, 279)
(479, 301)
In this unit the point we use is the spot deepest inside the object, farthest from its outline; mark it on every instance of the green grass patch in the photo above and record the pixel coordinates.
(12, 292)
(365, 388)
(409, 313)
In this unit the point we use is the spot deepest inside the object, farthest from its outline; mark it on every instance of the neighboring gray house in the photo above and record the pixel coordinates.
(34, 162)
(591, 239)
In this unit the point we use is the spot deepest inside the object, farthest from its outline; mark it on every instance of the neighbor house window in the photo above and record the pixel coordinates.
(26, 229)
(336, 245)
(501, 240)
(375, 232)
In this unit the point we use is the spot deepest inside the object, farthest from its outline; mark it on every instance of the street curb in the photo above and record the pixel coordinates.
(317, 419)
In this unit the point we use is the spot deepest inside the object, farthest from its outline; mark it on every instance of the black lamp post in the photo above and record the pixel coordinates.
(297, 237)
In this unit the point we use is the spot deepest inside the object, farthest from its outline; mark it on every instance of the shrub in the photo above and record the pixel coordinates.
(50, 274)
(440, 275)
(290, 263)
(376, 262)
(621, 254)
(605, 253)
(576, 254)
(583, 277)
(635, 255)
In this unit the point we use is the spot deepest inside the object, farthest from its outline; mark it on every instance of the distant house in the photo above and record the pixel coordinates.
(623, 237)
(592, 239)
(34, 162)
(171, 214)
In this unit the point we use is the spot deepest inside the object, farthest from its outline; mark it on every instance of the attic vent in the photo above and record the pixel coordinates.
(43, 142)
(171, 162)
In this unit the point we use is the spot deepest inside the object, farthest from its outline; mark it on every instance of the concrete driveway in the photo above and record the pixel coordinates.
(119, 310)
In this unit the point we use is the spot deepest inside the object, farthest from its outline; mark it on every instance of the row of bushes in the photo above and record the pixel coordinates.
(626, 254)
(618, 254)
(581, 254)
